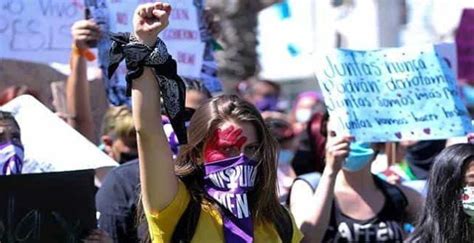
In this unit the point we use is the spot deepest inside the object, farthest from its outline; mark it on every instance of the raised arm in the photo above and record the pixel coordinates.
(313, 217)
(158, 180)
(77, 86)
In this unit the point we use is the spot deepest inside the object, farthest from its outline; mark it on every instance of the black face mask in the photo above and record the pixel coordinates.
(420, 156)
(125, 157)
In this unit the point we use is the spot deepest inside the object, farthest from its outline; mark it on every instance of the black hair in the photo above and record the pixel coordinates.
(443, 218)
(194, 84)
(8, 116)
(280, 129)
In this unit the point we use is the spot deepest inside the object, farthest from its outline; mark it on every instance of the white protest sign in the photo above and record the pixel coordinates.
(392, 94)
(51, 143)
(38, 30)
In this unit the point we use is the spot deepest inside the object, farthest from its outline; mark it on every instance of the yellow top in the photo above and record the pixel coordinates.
(209, 228)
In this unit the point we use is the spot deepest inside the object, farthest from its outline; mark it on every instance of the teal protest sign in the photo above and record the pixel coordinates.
(392, 94)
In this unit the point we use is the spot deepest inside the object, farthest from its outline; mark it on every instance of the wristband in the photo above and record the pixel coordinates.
(86, 53)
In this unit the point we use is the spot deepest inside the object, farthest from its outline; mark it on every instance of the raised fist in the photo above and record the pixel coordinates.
(149, 20)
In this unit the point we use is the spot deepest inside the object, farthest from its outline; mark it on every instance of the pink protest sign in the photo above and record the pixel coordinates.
(465, 45)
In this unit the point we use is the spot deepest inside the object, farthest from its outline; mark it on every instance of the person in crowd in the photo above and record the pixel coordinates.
(309, 157)
(118, 138)
(448, 215)
(117, 198)
(420, 156)
(118, 134)
(224, 185)
(305, 105)
(264, 94)
(77, 87)
(196, 93)
(281, 130)
(307, 117)
(11, 147)
(350, 204)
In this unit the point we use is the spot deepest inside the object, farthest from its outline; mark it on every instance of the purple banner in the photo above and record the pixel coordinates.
(465, 46)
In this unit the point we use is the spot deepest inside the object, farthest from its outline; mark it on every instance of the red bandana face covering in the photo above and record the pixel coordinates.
(228, 179)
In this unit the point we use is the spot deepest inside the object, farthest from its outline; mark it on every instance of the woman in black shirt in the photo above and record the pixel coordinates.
(352, 205)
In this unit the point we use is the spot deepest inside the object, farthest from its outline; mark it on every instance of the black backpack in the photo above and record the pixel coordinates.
(187, 224)
(396, 196)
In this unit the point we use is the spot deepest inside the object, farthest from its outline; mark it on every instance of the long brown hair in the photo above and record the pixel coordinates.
(208, 117)
(189, 163)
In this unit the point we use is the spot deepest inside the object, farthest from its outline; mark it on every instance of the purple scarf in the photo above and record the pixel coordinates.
(11, 159)
(228, 182)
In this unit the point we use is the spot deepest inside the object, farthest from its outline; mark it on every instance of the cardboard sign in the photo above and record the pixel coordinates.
(37, 30)
(392, 94)
(183, 38)
(48, 207)
(50, 143)
(465, 45)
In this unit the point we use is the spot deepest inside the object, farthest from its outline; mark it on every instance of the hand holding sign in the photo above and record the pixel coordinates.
(337, 149)
(84, 31)
(149, 20)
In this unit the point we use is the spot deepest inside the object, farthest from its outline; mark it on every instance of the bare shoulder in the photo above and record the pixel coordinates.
(302, 187)
(301, 191)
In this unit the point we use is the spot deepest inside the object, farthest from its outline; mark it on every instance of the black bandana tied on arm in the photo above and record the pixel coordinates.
(137, 56)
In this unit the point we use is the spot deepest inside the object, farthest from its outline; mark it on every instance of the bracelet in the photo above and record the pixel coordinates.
(86, 53)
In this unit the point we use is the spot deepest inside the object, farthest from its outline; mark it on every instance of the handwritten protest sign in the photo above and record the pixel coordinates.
(392, 94)
(465, 45)
(47, 207)
(183, 38)
(37, 30)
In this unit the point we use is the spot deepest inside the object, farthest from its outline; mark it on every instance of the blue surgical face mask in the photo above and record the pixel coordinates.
(360, 155)
(285, 156)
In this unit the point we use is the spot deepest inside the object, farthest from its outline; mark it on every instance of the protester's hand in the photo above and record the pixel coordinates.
(98, 236)
(149, 20)
(84, 31)
(337, 149)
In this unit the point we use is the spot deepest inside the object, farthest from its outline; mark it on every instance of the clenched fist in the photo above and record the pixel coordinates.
(149, 20)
